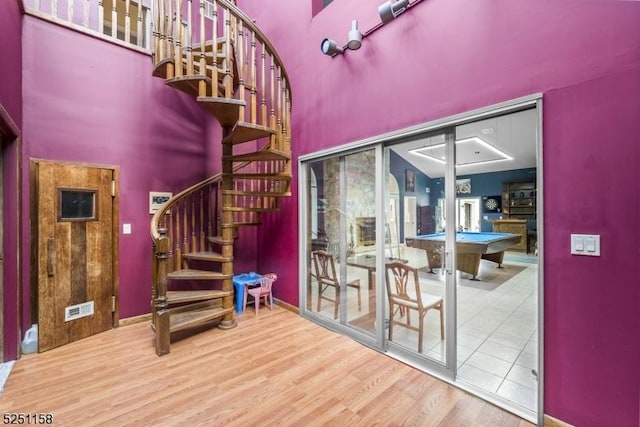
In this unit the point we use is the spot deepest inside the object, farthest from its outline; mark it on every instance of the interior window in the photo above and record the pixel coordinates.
(77, 205)
(318, 5)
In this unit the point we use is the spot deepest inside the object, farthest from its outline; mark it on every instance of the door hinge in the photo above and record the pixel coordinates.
(113, 189)
(113, 303)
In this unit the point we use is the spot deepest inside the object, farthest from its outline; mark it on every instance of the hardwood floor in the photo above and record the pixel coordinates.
(277, 369)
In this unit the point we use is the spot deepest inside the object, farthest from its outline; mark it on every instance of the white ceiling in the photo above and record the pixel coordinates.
(513, 134)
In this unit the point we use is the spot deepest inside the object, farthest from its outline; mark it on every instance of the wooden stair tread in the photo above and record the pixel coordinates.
(191, 274)
(208, 45)
(226, 110)
(249, 209)
(189, 84)
(207, 256)
(218, 240)
(245, 132)
(176, 297)
(188, 319)
(269, 154)
(160, 70)
(209, 57)
(241, 224)
(258, 176)
(257, 193)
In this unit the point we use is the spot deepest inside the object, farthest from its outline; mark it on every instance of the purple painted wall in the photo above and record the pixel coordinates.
(446, 57)
(10, 59)
(592, 304)
(89, 101)
(11, 100)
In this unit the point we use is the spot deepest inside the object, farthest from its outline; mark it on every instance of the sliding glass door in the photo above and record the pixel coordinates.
(425, 245)
(419, 284)
(341, 262)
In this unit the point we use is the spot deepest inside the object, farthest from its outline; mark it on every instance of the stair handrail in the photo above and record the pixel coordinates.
(162, 211)
(249, 22)
(166, 207)
(163, 28)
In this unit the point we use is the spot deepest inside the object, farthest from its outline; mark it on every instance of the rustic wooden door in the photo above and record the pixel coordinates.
(75, 252)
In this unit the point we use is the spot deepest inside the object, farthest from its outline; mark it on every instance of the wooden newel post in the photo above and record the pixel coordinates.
(161, 317)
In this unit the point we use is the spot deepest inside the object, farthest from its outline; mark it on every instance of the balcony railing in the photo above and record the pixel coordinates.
(124, 22)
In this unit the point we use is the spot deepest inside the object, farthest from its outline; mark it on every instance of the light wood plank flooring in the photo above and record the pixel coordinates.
(277, 369)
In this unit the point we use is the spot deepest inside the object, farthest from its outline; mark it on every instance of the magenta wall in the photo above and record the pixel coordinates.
(89, 101)
(11, 100)
(10, 59)
(592, 310)
(447, 57)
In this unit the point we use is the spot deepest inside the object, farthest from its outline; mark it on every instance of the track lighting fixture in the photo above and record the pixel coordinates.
(390, 10)
(329, 47)
(355, 37)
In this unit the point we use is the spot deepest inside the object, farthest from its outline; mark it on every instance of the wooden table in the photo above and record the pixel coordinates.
(368, 262)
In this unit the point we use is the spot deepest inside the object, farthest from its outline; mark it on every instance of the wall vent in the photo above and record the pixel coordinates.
(77, 311)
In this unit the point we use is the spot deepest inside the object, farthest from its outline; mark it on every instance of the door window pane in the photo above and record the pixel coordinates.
(77, 205)
(341, 261)
(416, 284)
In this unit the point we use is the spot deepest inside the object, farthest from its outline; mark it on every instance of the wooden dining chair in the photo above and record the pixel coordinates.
(403, 290)
(260, 289)
(325, 270)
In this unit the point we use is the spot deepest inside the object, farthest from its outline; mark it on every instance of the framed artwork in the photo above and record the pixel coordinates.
(157, 199)
(463, 186)
(409, 180)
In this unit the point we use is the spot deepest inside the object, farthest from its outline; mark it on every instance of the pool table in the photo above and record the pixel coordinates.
(471, 247)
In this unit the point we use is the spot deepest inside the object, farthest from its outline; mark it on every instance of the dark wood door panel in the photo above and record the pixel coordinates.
(75, 251)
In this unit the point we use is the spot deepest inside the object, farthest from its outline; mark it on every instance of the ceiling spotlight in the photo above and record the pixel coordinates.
(355, 37)
(329, 47)
(390, 10)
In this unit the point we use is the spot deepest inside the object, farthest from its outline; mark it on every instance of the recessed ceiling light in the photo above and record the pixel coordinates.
(433, 152)
(423, 152)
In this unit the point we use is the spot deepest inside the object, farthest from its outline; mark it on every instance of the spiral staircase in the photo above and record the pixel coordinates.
(211, 50)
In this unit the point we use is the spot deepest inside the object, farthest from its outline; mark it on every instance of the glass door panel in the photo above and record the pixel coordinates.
(497, 268)
(416, 285)
(341, 262)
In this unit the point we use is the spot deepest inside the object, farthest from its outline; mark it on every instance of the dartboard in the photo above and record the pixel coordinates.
(491, 204)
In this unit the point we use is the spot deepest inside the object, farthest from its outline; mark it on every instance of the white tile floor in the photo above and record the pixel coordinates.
(497, 329)
(497, 334)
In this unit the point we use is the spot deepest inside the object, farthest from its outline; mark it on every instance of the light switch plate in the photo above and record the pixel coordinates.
(585, 244)
(126, 228)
